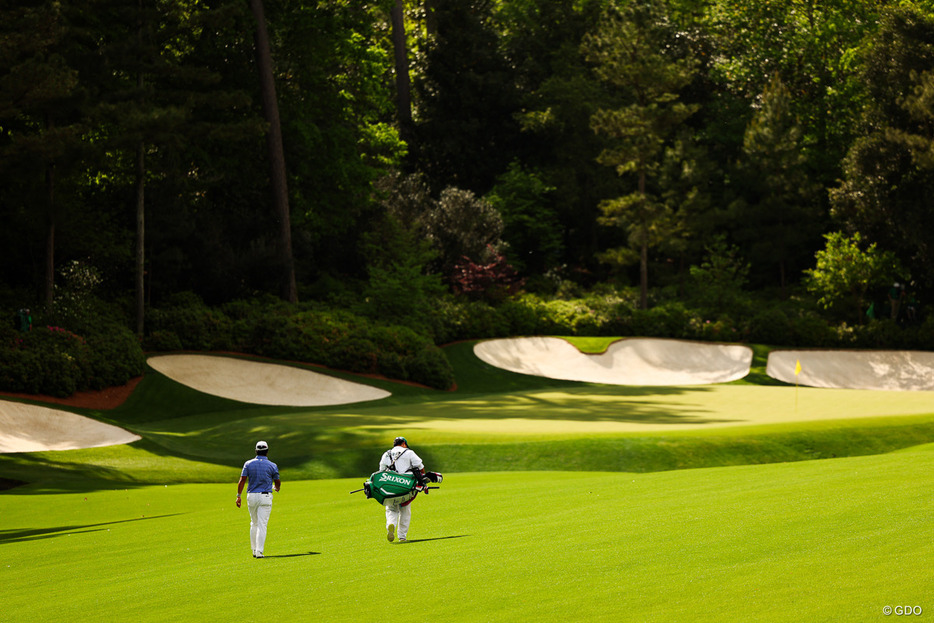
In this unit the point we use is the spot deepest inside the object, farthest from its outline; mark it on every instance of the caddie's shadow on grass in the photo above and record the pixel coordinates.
(12, 536)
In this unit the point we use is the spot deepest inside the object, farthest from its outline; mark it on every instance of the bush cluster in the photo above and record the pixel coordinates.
(334, 338)
(792, 324)
(57, 362)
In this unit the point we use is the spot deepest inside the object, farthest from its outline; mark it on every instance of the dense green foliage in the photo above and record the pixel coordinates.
(317, 334)
(844, 271)
(589, 145)
(399, 339)
(54, 361)
(338, 339)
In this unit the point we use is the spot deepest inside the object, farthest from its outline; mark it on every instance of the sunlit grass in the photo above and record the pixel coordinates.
(814, 540)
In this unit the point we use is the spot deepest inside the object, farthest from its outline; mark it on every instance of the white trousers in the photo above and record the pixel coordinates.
(260, 506)
(399, 516)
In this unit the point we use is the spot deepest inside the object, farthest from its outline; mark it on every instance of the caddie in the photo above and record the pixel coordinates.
(402, 460)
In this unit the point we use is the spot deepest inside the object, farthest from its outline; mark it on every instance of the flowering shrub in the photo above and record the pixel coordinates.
(493, 281)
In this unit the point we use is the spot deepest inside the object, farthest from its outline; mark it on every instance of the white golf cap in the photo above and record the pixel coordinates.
(261, 445)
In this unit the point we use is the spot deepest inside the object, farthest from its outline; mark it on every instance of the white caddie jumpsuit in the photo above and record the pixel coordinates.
(399, 515)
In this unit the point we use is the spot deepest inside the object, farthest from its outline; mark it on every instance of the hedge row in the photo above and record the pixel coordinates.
(787, 325)
(354, 342)
(337, 339)
(56, 362)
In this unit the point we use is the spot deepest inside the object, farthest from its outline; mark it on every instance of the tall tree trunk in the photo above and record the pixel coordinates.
(140, 235)
(403, 83)
(644, 250)
(781, 275)
(644, 269)
(277, 172)
(140, 200)
(50, 238)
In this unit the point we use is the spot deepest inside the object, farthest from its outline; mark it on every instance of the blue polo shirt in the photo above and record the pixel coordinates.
(260, 472)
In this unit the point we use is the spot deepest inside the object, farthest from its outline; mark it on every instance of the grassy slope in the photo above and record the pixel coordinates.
(495, 421)
(814, 540)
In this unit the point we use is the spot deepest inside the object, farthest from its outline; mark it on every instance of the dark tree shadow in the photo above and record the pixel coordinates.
(12, 536)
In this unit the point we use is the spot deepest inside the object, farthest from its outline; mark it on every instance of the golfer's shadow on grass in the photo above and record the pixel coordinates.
(437, 538)
(294, 555)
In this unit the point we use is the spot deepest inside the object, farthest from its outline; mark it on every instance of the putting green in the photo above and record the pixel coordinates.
(587, 411)
(542, 415)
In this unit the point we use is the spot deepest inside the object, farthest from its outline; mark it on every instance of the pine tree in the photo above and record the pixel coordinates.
(41, 126)
(629, 52)
(777, 217)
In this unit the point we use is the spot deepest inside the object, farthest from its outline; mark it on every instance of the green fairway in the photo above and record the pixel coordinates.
(817, 541)
(562, 501)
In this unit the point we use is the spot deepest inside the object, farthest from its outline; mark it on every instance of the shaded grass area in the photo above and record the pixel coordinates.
(650, 453)
(813, 540)
(146, 462)
(138, 464)
(159, 398)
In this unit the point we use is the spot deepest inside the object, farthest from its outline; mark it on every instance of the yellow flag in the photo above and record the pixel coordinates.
(797, 367)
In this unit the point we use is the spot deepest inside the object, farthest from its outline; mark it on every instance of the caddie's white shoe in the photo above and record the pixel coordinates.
(401, 540)
(391, 533)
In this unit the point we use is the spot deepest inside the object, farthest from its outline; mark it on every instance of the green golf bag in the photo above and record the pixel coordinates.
(384, 486)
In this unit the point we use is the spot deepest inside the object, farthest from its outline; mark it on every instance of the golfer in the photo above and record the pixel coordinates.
(401, 460)
(263, 476)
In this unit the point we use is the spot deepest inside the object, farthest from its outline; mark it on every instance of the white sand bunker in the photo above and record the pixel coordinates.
(861, 369)
(638, 361)
(262, 383)
(28, 428)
